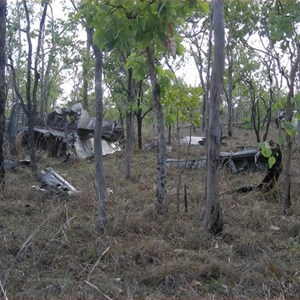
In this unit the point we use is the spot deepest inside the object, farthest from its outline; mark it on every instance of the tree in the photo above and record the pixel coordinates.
(280, 25)
(150, 27)
(3, 87)
(100, 178)
(199, 35)
(32, 80)
(161, 155)
(98, 153)
(213, 220)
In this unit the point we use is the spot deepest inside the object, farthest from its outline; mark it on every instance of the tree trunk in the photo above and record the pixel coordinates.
(213, 220)
(29, 107)
(46, 77)
(100, 178)
(205, 106)
(161, 155)
(289, 141)
(129, 127)
(3, 87)
(229, 99)
(139, 121)
(85, 69)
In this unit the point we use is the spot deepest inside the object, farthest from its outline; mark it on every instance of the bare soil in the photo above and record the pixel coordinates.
(51, 249)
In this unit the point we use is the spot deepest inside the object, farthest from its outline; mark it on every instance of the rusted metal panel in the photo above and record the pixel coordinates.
(68, 129)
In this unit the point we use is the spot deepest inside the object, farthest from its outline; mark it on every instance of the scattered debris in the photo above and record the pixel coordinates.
(193, 140)
(271, 177)
(12, 164)
(244, 160)
(154, 147)
(66, 129)
(188, 164)
(54, 183)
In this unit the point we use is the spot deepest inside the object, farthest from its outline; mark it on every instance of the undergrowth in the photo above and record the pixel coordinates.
(50, 246)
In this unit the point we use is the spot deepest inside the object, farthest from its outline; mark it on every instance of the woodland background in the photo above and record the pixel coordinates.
(128, 234)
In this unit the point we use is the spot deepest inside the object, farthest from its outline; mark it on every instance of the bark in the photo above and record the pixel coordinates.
(85, 70)
(161, 155)
(140, 115)
(3, 87)
(100, 178)
(29, 106)
(205, 107)
(229, 98)
(45, 77)
(129, 127)
(255, 111)
(289, 141)
(213, 220)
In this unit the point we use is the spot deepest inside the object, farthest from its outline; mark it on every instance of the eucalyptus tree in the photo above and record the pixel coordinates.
(240, 23)
(3, 86)
(126, 80)
(49, 37)
(29, 101)
(83, 13)
(150, 28)
(280, 27)
(213, 220)
(198, 33)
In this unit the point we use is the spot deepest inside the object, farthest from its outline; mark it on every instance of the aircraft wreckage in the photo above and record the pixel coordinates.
(66, 130)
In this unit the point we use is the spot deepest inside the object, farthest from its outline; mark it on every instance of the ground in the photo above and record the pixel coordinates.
(51, 249)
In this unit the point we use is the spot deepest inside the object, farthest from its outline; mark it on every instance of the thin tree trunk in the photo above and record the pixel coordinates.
(213, 221)
(161, 155)
(3, 87)
(205, 107)
(85, 69)
(289, 141)
(129, 127)
(139, 117)
(29, 109)
(100, 178)
(45, 78)
(229, 99)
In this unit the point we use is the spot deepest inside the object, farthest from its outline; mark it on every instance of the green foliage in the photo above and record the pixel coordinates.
(126, 24)
(182, 101)
(266, 151)
(288, 127)
(281, 139)
(297, 105)
(138, 65)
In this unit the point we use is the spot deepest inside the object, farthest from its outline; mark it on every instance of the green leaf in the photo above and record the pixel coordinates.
(289, 128)
(99, 39)
(262, 145)
(281, 139)
(297, 102)
(271, 161)
(170, 118)
(266, 152)
(204, 6)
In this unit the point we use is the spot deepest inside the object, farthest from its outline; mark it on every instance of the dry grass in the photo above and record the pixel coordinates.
(50, 247)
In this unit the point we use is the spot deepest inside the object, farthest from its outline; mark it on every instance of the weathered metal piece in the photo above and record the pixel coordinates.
(193, 140)
(244, 160)
(67, 129)
(53, 182)
(12, 164)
